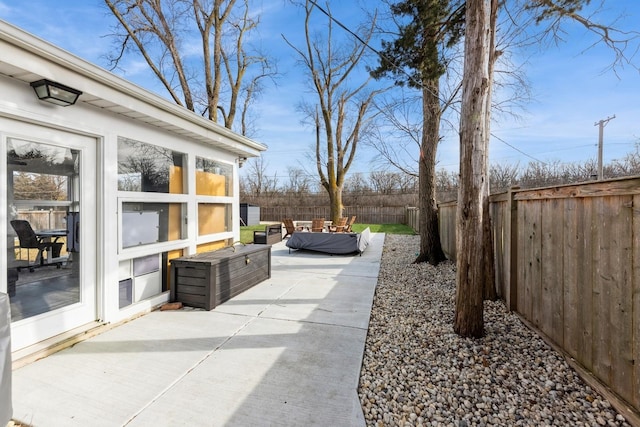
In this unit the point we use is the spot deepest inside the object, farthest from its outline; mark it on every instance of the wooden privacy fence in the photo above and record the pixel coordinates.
(413, 218)
(567, 259)
(364, 214)
(41, 220)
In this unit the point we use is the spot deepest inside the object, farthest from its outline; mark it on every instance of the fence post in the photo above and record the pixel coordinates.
(512, 248)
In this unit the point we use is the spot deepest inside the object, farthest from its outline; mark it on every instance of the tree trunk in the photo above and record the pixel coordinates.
(473, 136)
(335, 200)
(430, 245)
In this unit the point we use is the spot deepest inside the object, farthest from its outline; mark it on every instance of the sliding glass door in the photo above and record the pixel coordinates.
(51, 234)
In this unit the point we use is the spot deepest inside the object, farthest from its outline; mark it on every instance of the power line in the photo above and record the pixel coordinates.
(393, 64)
(377, 52)
(517, 149)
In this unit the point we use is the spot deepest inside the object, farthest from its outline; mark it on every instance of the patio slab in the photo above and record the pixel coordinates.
(285, 352)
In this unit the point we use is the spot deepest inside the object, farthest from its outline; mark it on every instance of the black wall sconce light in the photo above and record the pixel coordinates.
(55, 93)
(241, 161)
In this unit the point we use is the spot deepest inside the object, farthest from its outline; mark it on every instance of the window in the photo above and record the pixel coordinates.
(213, 178)
(149, 168)
(213, 218)
(148, 223)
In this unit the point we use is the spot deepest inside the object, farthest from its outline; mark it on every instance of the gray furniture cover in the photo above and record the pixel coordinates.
(331, 243)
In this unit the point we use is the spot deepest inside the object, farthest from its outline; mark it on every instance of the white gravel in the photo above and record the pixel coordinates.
(417, 372)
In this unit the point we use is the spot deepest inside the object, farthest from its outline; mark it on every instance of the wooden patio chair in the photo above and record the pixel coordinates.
(347, 227)
(339, 226)
(290, 227)
(317, 225)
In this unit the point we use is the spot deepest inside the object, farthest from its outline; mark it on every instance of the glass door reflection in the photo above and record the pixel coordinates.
(43, 212)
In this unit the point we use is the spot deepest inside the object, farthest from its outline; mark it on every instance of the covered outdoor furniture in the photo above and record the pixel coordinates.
(317, 225)
(290, 227)
(271, 235)
(331, 243)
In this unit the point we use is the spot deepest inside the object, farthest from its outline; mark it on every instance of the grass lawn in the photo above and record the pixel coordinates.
(246, 233)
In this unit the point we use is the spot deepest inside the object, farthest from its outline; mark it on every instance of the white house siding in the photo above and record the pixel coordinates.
(109, 108)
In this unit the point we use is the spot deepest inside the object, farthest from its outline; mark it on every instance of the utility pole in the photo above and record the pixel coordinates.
(601, 124)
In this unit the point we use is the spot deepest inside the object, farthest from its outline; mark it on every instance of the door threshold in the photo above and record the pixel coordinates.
(56, 343)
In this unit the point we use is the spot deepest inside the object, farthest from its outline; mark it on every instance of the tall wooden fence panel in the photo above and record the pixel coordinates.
(447, 221)
(500, 211)
(568, 260)
(413, 218)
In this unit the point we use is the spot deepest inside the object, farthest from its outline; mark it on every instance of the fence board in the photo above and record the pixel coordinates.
(551, 309)
(413, 218)
(499, 228)
(620, 301)
(523, 244)
(571, 298)
(41, 220)
(512, 251)
(529, 215)
(447, 228)
(615, 187)
(585, 267)
(603, 281)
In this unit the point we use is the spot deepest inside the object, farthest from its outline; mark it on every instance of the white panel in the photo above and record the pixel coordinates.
(147, 286)
(140, 228)
(124, 269)
(146, 265)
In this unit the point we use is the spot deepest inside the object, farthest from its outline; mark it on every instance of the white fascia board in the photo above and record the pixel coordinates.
(46, 60)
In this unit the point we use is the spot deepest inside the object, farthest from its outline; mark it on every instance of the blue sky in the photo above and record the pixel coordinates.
(571, 85)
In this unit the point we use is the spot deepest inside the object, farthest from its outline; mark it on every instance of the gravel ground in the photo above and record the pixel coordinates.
(417, 371)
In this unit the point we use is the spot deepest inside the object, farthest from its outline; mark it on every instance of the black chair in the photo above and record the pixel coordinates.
(29, 240)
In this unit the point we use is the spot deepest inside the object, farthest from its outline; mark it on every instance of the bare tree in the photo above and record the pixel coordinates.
(256, 182)
(503, 177)
(299, 181)
(160, 30)
(473, 171)
(585, 171)
(384, 182)
(474, 136)
(446, 185)
(538, 174)
(356, 184)
(29, 186)
(341, 113)
(408, 183)
(628, 165)
(398, 131)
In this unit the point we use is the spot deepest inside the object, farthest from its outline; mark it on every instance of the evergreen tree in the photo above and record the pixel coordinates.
(418, 58)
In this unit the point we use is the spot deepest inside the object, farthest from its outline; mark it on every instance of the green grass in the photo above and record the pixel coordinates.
(246, 233)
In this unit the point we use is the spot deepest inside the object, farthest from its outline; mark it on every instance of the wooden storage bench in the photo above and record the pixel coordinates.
(211, 278)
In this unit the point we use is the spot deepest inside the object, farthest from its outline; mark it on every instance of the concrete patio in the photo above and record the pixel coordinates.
(287, 352)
